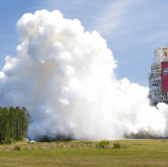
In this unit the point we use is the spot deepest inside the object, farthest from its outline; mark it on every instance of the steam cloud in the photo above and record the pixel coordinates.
(64, 76)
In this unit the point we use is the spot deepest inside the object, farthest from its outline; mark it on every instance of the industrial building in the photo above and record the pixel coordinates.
(158, 77)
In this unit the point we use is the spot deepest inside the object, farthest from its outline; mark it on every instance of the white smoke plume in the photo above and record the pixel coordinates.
(64, 76)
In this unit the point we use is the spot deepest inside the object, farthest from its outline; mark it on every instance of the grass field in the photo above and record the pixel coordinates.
(85, 153)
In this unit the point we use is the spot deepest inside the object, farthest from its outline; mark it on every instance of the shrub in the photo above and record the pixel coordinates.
(102, 144)
(31, 142)
(117, 145)
(91, 146)
(5, 141)
(21, 138)
(17, 148)
(25, 149)
(72, 146)
(8, 141)
(58, 141)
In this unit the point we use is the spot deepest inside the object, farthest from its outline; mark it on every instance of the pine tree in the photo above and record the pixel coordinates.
(14, 124)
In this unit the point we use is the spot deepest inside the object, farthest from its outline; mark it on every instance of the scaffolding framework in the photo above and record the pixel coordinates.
(155, 78)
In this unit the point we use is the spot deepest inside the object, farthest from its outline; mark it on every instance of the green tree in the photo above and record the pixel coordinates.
(14, 123)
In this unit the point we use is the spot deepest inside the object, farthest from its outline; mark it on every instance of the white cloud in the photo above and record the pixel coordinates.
(122, 20)
(131, 27)
(111, 18)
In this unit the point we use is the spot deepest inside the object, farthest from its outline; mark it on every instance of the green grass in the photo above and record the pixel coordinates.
(85, 153)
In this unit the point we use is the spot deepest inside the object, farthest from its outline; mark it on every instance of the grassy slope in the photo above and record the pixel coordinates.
(133, 153)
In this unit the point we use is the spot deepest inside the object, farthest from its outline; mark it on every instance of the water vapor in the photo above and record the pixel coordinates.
(65, 77)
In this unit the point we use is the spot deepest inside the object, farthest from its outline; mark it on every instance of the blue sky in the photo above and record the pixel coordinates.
(132, 28)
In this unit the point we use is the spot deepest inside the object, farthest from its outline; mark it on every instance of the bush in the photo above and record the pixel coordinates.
(21, 138)
(58, 141)
(117, 145)
(8, 141)
(102, 144)
(17, 148)
(31, 142)
(91, 146)
(72, 146)
(25, 149)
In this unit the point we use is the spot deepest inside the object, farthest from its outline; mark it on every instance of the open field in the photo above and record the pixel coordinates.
(85, 153)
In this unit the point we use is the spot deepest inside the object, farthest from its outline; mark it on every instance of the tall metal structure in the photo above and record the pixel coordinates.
(155, 77)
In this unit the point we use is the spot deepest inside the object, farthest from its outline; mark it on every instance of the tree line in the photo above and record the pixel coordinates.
(14, 124)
